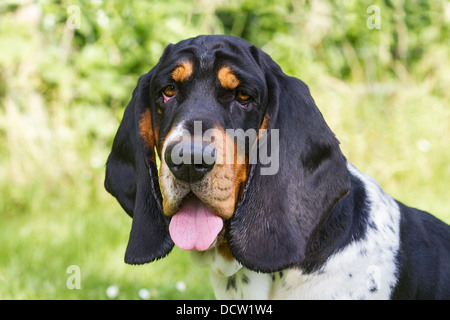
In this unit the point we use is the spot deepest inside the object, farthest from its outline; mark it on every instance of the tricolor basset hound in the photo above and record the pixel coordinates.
(253, 182)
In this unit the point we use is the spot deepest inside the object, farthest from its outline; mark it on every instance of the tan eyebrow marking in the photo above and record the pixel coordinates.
(183, 71)
(227, 78)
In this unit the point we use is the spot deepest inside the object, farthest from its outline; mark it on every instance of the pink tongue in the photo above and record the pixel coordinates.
(194, 226)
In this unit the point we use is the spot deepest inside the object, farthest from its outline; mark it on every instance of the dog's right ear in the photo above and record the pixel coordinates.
(132, 177)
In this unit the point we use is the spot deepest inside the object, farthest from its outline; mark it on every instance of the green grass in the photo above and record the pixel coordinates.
(400, 138)
(58, 215)
(38, 247)
(62, 93)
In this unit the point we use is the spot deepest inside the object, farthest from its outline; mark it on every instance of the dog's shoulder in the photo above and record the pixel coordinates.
(363, 266)
(424, 256)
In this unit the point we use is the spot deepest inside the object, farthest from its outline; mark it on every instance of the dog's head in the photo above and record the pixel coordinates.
(247, 159)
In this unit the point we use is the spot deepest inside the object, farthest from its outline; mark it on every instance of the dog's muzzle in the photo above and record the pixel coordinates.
(189, 161)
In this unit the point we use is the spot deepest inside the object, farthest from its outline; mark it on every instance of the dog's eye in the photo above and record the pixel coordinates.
(242, 97)
(168, 92)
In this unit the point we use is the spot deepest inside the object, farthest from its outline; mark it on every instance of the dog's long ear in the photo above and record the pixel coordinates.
(132, 177)
(280, 212)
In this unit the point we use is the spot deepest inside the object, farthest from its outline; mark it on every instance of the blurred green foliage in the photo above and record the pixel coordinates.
(65, 80)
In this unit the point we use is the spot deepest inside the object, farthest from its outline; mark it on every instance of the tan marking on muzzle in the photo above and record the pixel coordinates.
(219, 190)
(222, 187)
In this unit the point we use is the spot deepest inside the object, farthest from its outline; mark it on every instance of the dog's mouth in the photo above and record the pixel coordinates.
(194, 226)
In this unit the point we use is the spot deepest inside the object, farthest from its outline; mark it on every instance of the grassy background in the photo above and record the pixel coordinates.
(384, 92)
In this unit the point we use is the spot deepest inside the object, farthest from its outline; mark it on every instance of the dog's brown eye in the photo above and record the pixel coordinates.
(168, 92)
(242, 97)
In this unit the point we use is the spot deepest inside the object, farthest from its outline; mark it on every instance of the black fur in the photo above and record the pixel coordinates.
(268, 232)
(131, 177)
(307, 212)
(346, 223)
(424, 256)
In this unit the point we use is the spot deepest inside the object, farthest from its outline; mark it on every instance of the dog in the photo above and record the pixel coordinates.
(253, 182)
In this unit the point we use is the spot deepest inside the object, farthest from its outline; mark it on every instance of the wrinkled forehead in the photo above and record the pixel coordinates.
(229, 59)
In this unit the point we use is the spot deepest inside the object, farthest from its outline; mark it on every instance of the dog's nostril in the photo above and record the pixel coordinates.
(190, 161)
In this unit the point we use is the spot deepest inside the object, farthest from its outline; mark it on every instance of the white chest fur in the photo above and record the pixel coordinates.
(365, 269)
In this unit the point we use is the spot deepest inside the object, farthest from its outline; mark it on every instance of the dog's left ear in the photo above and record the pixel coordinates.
(280, 212)
(132, 177)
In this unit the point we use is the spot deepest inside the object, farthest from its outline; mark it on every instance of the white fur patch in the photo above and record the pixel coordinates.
(365, 269)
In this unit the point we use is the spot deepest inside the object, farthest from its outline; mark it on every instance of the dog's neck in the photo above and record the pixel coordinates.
(230, 279)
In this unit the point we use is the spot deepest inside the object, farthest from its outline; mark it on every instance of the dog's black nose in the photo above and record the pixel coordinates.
(189, 161)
